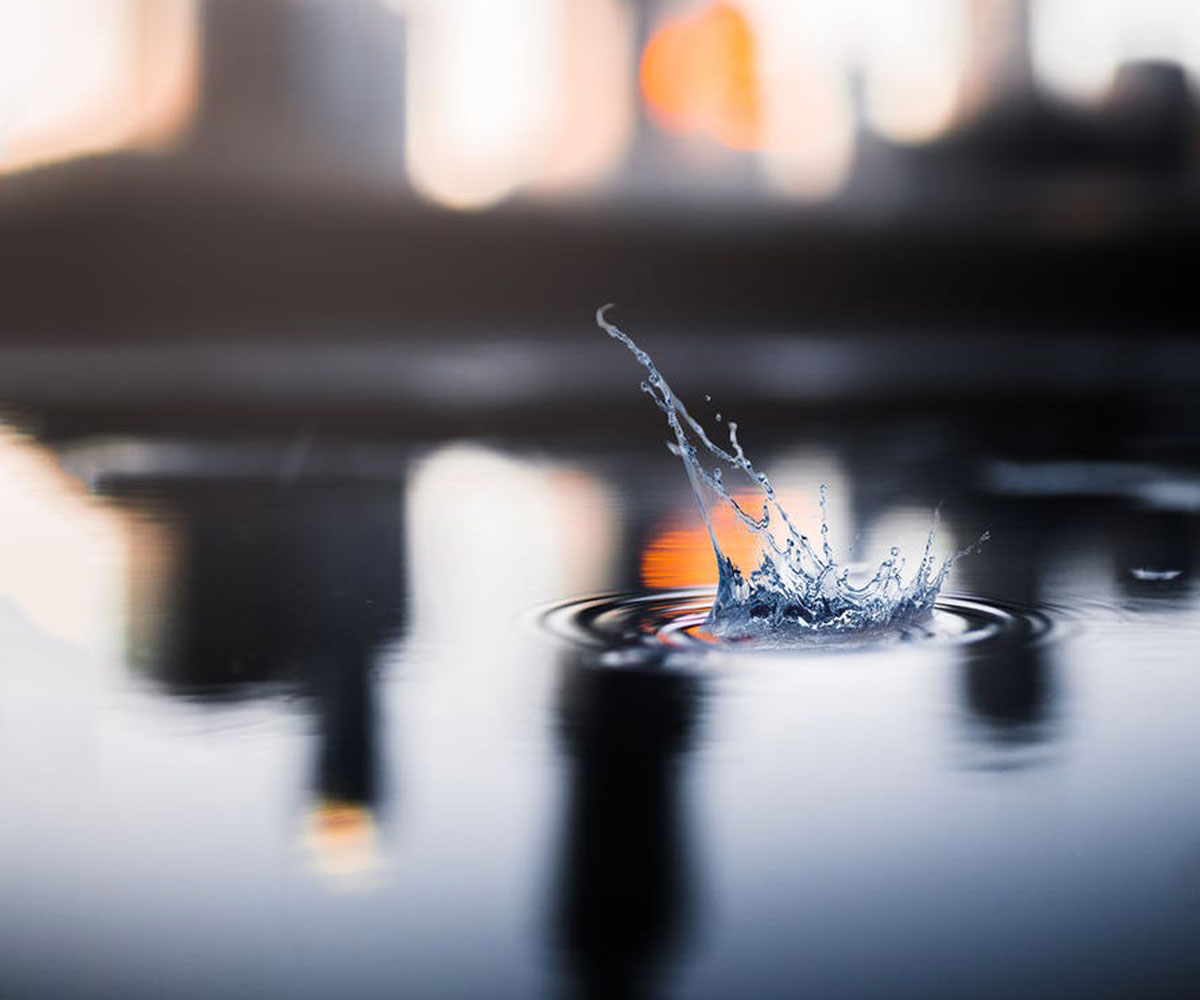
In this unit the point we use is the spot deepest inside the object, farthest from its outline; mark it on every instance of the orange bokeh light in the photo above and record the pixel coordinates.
(699, 74)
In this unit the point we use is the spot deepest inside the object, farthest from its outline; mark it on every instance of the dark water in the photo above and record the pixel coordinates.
(288, 716)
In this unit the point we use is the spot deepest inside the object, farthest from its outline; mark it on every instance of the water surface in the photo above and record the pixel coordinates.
(284, 717)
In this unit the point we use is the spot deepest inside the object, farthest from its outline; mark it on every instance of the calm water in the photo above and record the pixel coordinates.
(285, 717)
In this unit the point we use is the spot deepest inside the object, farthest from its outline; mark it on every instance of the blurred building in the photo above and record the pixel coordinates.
(251, 167)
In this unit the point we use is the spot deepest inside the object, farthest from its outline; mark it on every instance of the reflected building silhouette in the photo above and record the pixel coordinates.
(1008, 688)
(284, 586)
(624, 903)
(1009, 692)
(1150, 546)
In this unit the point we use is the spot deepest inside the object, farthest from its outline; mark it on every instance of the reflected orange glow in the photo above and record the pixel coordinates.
(699, 74)
(342, 838)
(681, 555)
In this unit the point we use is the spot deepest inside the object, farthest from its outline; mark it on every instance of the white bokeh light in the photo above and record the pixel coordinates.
(1078, 44)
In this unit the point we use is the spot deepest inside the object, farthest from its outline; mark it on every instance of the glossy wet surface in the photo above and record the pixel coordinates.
(299, 716)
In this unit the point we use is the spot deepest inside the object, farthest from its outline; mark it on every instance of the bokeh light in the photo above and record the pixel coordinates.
(1077, 45)
(699, 74)
(80, 77)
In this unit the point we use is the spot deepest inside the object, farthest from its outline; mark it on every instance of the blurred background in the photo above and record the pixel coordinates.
(303, 414)
(217, 169)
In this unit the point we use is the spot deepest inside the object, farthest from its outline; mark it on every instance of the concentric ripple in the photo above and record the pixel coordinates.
(675, 620)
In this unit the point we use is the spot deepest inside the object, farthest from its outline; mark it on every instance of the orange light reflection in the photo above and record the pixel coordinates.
(681, 554)
(342, 838)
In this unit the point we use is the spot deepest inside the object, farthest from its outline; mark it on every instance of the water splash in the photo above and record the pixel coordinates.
(796, 586)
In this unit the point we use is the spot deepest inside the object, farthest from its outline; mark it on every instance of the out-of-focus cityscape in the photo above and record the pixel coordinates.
(209, 167)
(466, 103)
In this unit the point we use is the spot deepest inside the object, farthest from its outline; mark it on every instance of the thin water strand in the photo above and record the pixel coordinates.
(793, 586)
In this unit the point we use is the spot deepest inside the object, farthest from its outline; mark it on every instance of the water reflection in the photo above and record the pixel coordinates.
(277, 585)
(830, 815)
(625, 897)
(1009, 691)
(63, 554)
(1009, 695)
(1005, 694)
(1154, 556)
(292, 588)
